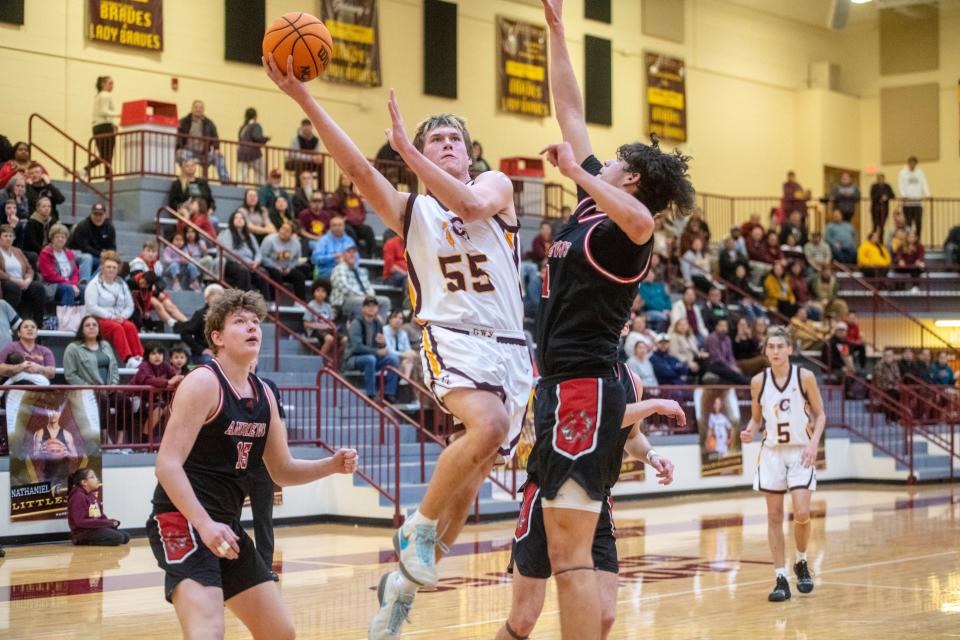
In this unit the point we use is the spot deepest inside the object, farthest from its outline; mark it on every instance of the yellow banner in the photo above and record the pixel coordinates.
(351, 32)
(665, 98)
(524, 70)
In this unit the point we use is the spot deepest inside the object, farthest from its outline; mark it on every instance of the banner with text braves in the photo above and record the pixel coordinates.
(354, 27)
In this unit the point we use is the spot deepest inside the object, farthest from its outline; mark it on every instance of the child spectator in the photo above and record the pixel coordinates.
(196, 211)
(179, 357)
(197, 248)
(155, 372)
(149, 296)
(16, 361)
(313, 328)
(88, 524)
(179, 273)
(148, 260)
(909, 258)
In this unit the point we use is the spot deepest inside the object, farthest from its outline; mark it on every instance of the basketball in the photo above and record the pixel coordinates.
(302, 36)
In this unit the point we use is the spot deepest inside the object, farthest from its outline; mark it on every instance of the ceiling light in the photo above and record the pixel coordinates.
(859, 1)
(947, 323)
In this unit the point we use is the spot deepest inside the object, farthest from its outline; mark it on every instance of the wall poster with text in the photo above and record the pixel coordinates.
(666, 97)
(522, 81)
(719, 424)
(355, 29)
(128, 23)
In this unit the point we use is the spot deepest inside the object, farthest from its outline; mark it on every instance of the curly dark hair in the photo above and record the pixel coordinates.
(663, 176)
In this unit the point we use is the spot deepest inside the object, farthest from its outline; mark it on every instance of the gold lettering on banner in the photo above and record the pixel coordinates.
(666, 97)
(522, 68)
(131, 23)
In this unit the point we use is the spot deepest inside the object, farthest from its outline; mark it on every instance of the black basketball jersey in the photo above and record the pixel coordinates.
(591, 281)
(229, 447)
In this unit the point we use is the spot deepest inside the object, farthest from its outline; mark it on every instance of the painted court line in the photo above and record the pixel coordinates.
(874, 586)
(673, 594)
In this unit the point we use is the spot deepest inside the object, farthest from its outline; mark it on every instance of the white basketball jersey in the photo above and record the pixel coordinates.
(462, 273)
(785, 416)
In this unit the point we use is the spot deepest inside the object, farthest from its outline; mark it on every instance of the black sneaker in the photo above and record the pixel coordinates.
(780, 592)
(274, 576)
(804, 581)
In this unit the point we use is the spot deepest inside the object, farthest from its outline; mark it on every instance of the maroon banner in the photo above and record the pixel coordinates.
(666, 97)
(354, 27)
(127, 23)
(522, 85)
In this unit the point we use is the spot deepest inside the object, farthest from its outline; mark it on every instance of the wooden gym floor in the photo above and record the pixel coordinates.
(886, 562)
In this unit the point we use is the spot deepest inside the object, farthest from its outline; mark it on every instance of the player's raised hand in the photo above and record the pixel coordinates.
(664, 468)
(397, 133)
(553, 11)
(672, 409)
(809, 456)
(288, 81)
(561, 156)
(746, 436)
(220, 539)
(345, 461)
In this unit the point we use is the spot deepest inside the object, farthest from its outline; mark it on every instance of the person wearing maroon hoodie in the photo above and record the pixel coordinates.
(155, 372)
(88, 524)
(355, 214)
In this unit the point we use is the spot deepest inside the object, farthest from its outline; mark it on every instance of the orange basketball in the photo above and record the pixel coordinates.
(54, 449)
(305, 38)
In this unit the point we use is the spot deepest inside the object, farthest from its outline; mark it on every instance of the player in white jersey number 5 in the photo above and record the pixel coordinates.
(463, 254)
(787, 405)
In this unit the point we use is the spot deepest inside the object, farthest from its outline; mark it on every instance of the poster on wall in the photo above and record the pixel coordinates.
(354, 27)
(718, 421)
(632, 470)
(128, 23)
(666, 97)
(522, 68)
(51, 435)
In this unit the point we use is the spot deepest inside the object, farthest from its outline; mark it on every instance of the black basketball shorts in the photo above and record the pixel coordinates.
(529, 553)
(182, 555)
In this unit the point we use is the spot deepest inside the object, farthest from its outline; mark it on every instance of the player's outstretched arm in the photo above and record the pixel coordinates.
(287, 470)
(192, 404)
(756, 413)
(566, 93)
(637, 411)
(639, 447)
(490, 194)
(386, 201)
(808, 383)
(631, 215)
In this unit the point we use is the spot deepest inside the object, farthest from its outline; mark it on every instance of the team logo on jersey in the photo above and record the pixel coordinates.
(559, 249)
(785, 404)
(454, 227)
(177, 537)
(246, 429)
(577, 416)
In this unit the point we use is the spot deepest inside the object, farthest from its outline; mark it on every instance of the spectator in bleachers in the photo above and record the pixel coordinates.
(198, 140)
(367, 350)
(797, 278)
(109, 300)
(951, 247)
(695, 266)
(17, 165)
(480, 164)
(398, 342)
(9, 321)
(842, 238)
(58, 268)
(924, 362)
(179, 357)
(910, 258)
(189, 185)
(37, 229)
(792, 251)
(758, 251)
(881, 194)
(351, 284)
(747, 227)
(668, 369)
(638, 331)
(722, 363)
(794, 226)
(304, 191)
(913, 189)
(898, 239)
(743, 292)
(280, 254)
(198, 248)
(683, 347)
(911, 366)
(794, 197)
(940, 371)
(272, 190)
(315, 218)
(836, 354)
(17, 191)
(192, 331)
(873, 258)
(308, 156)
(656, 300)
(149, 298)
(40, 186)
(281, 214)
(148, 260)
(845, 196)
(355, 215)
(899, 229)
(319, 305)
(249, 148)
(89, 525)
(826, 290)
(258, 220)
(773, 247)
(778, 295)
(328, 250)
(395, 269)
(12, 363)
(155, 371)
(531, 283)
(639, 363)
(746, 349)
(816, 252)
(886, 374)
(806, 333)
(89, 359)
(686, 307)
(694, 228)
(196, 212)
(730, 257)
(37, 359)
(105, 119)
(244, 255)
(540, 244)
(178, 271)
(714, 309)
(17, 279)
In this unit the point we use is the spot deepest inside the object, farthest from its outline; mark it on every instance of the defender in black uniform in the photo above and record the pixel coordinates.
(224, 425)
(593, 269)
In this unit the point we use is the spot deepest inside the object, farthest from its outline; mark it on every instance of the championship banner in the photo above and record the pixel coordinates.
(128, 23)
(522, 68)
(718, 421)
(52, 434)
(354, 27)
(666, 97)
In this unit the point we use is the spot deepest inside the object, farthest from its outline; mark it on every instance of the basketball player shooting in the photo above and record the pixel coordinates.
(463, 248)
(224, 425)
(786, 400)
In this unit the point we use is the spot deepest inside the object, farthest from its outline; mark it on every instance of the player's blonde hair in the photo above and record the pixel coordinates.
(777, 332)
(442, 120)
(232, 300)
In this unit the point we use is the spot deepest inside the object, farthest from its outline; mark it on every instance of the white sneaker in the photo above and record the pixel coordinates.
(394, 608)
(134, 361)
(416, 550)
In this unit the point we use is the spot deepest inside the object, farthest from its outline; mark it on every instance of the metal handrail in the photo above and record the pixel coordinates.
(71, 171)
